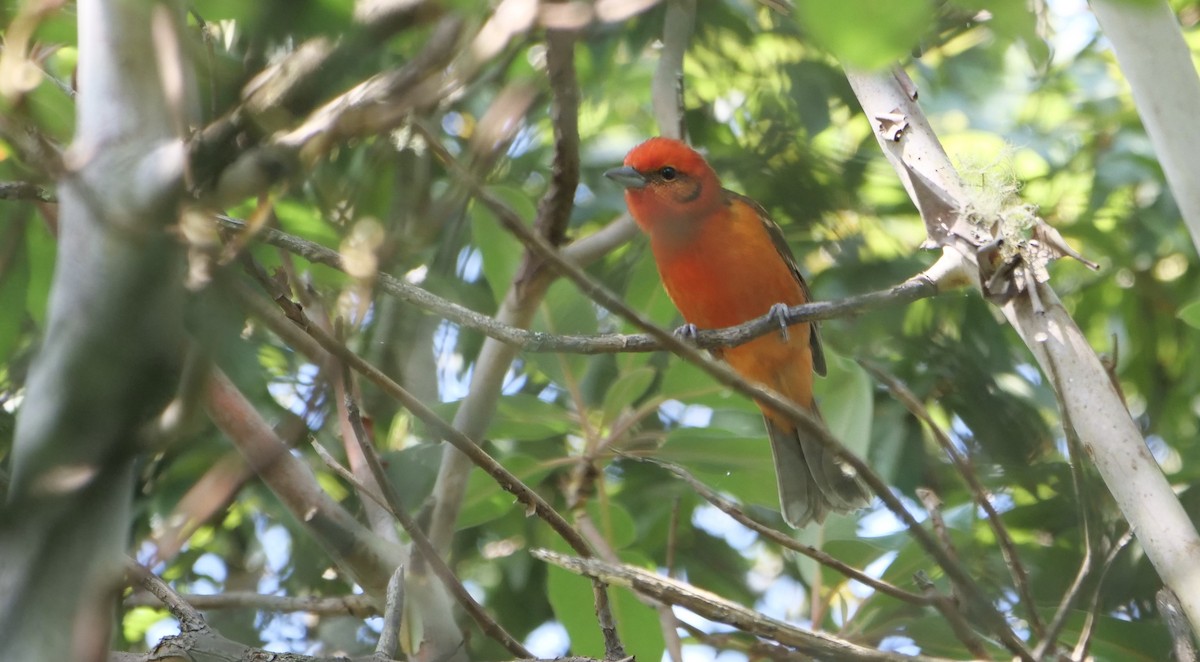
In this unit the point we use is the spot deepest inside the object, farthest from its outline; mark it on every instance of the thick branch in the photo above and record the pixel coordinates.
(108, 363)
(1089, 400)
(1157, 62)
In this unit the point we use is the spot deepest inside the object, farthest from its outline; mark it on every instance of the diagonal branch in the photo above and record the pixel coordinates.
(1008, 548)
(739, 515)
(1089, 400)
(713, 607)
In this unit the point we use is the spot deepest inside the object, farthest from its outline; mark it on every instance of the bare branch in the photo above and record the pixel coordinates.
(443, 430)
(1157, 61)
(359, 605)
(555, 208)
(1183, 644)
(189, 618)
(716, 608)
(917, 287)
(666, 89)
(25, 191)
(1089, 623)
(110, 355)
(358, 551)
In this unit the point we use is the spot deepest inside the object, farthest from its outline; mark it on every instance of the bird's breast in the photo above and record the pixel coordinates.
(725, 274)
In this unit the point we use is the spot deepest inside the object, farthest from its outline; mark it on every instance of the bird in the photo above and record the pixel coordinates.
(723, 261)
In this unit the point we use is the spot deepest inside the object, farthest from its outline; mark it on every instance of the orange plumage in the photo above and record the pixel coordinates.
(723, 262)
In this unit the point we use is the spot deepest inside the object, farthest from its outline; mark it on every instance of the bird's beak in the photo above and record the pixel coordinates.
(626, 176)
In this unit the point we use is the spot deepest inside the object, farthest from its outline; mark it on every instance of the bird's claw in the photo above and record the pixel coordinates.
(687, 332)
(779, 312)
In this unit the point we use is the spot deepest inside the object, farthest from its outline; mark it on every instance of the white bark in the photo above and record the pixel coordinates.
(1158, 65)
(109, 360)
(1091, 403)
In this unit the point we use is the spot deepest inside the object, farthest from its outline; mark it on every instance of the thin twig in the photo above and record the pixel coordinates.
(913, 289)
(713, 607)
(933, 506)
(733, 510)
(357, 605)
(25, 191)
(190, 619)
(347, 475)
(1049, 641)
(754, 646)
(952, 611)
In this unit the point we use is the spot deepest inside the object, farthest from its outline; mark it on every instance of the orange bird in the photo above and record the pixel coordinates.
(723, 262)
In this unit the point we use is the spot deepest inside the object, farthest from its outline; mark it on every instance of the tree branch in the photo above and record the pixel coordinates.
(716, 608)
(1089, 400)
(368, 559)
(25, 191)
(109, 360)
(1156, 60)
(359, 606)
(918, 287)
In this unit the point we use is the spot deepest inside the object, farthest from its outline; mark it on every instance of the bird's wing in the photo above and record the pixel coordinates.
(785, 252)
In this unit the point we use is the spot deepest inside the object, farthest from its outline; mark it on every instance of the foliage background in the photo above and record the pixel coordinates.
(1022, 99)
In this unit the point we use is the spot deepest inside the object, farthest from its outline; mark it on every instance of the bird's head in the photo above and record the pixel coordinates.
(665, 182)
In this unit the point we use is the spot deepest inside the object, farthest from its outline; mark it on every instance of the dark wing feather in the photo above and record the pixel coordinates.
(785, 252)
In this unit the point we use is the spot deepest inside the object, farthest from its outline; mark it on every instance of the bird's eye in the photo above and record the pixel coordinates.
(668, 173)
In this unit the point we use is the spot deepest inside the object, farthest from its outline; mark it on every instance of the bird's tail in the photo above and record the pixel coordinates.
(812, 480)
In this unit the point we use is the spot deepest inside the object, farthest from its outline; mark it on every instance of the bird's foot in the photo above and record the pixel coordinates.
(687, 332)
(779, 312)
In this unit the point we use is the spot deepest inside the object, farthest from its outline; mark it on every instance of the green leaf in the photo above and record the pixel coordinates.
(524, 417)
(500, 250)
(299, 218)
(627, 390)
(614, 522)
(13, 298)
(412, 471)
(571, 598)
(563, 311)
(139, 620)
(486, 501)
(725, 461)
(847, 402)
(42, 249)
(1190, 314)
(867, 33)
